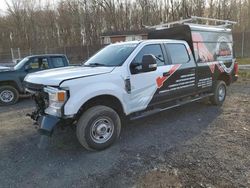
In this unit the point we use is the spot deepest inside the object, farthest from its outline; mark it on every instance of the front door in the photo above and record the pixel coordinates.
(144, 85)
(34, 65)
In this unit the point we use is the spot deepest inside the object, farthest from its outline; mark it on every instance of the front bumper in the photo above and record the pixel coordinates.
(47, 123)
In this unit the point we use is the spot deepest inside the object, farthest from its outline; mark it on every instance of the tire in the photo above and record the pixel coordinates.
(98, 128)
(220, 91)
(8, 95)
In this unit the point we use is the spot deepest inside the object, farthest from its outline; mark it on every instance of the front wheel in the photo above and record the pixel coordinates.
(98, 128)
(8, 95)
(220, 91)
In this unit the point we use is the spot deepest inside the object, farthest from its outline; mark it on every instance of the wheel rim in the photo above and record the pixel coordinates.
(6, 96)
(222, 93)
(102, 130)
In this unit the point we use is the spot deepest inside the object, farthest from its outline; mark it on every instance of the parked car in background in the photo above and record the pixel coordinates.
(11, 78)
(2, 68)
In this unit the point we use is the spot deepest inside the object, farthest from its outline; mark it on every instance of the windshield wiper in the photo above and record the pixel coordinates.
(95, 64)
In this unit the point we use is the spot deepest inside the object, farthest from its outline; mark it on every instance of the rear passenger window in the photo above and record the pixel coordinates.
(178, 53)
(57, 62)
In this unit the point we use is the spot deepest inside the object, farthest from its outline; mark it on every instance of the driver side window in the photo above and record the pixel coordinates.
(39, 64)
(155, 50)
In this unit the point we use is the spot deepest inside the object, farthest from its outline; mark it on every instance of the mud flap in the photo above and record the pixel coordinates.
(47, 124)
(43, 142)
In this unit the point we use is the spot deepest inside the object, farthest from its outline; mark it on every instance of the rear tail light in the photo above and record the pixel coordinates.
(236, 68)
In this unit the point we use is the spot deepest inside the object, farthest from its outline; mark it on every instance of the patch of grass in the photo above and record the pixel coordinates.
(243, 61)
(244, 74)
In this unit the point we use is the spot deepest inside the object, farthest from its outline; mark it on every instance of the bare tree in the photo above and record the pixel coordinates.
(32, 25)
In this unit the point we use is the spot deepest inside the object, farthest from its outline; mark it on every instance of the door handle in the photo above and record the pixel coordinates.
(165, 74)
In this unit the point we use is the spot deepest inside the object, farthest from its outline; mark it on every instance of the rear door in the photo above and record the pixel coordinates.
(182, 78)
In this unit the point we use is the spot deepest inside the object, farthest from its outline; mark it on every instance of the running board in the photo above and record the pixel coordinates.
(157, 110)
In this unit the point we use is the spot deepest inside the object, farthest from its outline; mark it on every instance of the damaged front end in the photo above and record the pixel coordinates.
(49, 107)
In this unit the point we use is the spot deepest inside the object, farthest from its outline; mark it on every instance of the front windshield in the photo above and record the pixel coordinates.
(112, 55)
(21, 63)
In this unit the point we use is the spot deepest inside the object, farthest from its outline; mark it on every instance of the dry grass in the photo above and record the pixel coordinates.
(243, 61)
(244, 74)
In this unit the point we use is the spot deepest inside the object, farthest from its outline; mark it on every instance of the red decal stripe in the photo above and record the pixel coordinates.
(212, 67)
(160, 80)
(220, 68)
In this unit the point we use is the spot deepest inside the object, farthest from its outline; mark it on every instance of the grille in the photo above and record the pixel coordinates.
(41, 98)
(33, 87)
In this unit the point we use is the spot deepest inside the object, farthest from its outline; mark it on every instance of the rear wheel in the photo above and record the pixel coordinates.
(220, 91)
(8, 95)
(98, 128)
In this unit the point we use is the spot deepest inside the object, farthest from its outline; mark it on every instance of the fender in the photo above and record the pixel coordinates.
(84, 94)
(17, 83)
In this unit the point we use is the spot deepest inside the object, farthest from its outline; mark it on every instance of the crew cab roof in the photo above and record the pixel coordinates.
(46, 55)
(150, 41)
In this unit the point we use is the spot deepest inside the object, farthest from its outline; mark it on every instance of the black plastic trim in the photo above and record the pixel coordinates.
(47, 124)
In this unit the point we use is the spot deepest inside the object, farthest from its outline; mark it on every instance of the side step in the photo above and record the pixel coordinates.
(178, 103)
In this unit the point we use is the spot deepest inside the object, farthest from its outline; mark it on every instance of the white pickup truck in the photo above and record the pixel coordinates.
(132, 80)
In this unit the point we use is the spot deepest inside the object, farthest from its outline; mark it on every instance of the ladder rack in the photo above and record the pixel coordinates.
(192, 20)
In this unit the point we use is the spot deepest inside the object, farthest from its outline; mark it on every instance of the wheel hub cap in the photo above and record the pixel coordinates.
(102, 130)
(222, 93)
(6, 96)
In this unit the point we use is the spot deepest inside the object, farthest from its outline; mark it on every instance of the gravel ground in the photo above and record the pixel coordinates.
(196, 145)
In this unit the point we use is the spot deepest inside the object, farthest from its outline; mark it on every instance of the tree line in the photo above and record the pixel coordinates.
(30, 24)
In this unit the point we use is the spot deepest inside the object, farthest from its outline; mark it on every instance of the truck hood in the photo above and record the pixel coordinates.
(54, 77)
(4, 69)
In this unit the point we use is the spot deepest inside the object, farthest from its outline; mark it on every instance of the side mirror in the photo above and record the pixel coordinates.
(148, 63)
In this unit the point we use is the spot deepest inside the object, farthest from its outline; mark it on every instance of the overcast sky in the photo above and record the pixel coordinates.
(3, 5)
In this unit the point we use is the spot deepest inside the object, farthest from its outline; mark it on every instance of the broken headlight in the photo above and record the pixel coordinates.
(57, 98)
